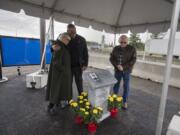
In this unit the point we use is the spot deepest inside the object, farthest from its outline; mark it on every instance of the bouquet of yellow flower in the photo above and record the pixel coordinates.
(114, 103)
(91, 118)
(85, 112)
(76, 109)
(83, 99)
(74, 105)
(84, 95)
(82, 105)
(93, 114)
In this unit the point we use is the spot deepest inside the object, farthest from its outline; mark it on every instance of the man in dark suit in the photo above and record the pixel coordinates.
(79, 56)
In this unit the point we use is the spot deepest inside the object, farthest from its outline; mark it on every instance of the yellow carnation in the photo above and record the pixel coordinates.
(80, 97)
(74, 104)
(85, 100)
(87, 107)
(86, 113)
(84, 94)
(114, 96)
(119, 99)
(87, 103)
(71, 101)
(80, 101)
(100, 108)
(95, 111)
(111, 99)
(82, 109)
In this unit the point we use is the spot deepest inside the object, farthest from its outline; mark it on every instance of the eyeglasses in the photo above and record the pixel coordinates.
(123, 42)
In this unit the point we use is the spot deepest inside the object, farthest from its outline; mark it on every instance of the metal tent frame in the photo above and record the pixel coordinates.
(174, 23)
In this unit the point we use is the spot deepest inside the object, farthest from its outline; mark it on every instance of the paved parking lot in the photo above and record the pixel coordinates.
(23, 111)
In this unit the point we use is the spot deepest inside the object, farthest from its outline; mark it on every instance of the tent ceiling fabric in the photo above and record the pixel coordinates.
(110, 15)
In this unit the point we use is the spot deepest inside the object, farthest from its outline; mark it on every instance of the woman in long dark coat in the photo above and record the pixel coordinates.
(59, 78)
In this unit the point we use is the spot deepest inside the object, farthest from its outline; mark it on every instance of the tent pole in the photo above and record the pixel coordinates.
(45, 39)
(0, 71)
(144, 53)
(167, 73)
(1, 77)
(102, 41)
(52, 27)
(42, 40)
(115, 39)
(115, 32)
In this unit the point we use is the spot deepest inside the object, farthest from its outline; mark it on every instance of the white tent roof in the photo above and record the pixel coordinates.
(108, 15)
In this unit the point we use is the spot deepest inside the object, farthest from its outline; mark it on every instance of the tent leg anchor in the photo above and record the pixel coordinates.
(2, 79)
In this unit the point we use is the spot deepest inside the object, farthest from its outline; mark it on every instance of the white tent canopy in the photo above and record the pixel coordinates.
(114, 16)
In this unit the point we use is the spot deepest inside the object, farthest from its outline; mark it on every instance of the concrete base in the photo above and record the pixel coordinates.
(4, 79)
(99, 98)
(104, 116)
(36, 80)
(174, 126)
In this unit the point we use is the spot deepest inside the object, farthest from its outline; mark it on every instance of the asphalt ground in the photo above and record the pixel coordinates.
(23, 111)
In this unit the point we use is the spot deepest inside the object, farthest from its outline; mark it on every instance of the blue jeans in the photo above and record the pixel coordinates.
(126, 83)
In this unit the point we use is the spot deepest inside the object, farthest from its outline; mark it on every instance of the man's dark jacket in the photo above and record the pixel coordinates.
(125, 56)
(78, 51)
(59, 77)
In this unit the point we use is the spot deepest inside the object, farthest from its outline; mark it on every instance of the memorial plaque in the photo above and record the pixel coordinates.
(98, 83)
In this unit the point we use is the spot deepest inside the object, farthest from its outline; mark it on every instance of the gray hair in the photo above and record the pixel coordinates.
(64, 35)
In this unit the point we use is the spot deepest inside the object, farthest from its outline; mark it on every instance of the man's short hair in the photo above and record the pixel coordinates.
(71, 26)
(123, 37)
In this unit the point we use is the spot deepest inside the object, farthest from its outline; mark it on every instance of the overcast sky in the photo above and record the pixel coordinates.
(21, 25)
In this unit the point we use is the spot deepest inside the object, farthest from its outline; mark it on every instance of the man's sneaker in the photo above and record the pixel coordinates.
(54, 110)
(64, 104)
(125, 106)
(50, 106)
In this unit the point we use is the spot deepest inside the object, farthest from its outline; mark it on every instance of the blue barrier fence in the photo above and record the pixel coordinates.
(21, 51)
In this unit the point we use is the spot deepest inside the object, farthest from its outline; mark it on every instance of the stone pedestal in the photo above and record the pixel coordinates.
(98, 83)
